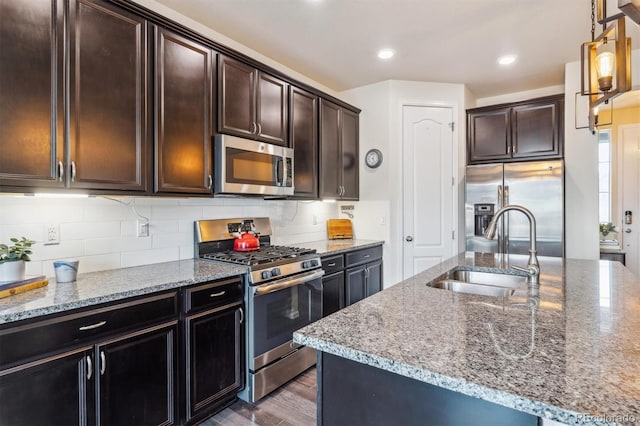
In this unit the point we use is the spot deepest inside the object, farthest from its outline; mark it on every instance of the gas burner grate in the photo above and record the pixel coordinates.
(266, 254)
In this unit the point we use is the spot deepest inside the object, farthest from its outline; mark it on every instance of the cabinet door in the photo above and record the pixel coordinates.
(535, 130)
(373, 274)
(330, 155)
(271, 113)
(236, 98)
(138, 378)
(31, 92)
(332, 293)
(303, 135)
(215, 355)
(489, 135)
(355, 285)
(108, 130)
(53, 391)
(183, 108)
(349, 146)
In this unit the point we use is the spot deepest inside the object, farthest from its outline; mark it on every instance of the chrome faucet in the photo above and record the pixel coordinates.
(533, 267)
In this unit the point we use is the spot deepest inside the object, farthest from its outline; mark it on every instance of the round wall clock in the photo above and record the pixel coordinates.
(373, 158)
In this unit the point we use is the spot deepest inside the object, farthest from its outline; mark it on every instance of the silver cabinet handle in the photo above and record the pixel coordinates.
(60, 171)
(103, 363)
(331, 264)
(343, 190)
(92, 326)
(254, 128)
(218, 294)
(241, 315)
(259, 132)
(366, 256)
(210, 182)
(627, 230)
(409, 238)
(73, 171)
(89, 368)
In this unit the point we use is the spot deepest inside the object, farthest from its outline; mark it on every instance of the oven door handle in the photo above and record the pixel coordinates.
(287, 282)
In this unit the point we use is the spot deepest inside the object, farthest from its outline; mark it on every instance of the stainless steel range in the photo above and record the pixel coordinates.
(284, 294)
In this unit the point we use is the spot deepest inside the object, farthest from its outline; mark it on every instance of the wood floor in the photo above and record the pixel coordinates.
(294, 404)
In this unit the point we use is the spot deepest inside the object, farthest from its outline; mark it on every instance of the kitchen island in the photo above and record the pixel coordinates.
(413, 354)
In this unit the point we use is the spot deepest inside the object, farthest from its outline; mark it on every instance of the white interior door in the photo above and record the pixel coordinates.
(629, 136)
(429, 216)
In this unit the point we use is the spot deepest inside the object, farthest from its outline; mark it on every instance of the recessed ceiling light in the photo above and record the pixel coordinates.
(507, 59)
(385, 53)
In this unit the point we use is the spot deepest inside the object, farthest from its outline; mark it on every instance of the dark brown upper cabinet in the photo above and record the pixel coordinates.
(251, 103)
(109, 145)
(184, 102)
(303, 137)
(338, 152)
(31, 109)
(525, 130)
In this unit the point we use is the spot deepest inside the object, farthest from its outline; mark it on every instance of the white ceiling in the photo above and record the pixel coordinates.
(334, 42)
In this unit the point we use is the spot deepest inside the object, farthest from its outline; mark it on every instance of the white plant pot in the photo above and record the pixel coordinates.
(12, 271)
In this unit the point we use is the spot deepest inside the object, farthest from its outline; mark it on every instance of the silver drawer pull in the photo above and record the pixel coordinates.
(366, 256)
(331, 264)
(89, 368)
(103, 363)
(218, 294)
(241, 315)
(92, 326)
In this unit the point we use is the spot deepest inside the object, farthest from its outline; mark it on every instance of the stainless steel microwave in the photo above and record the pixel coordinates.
(244, 166)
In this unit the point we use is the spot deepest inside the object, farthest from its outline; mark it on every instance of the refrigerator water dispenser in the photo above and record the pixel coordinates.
(483, 215)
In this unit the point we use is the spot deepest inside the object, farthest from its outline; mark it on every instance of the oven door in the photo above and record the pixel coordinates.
(244, 166)
(280, 308)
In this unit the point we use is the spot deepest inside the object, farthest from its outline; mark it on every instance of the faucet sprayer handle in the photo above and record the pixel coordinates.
(529, 270)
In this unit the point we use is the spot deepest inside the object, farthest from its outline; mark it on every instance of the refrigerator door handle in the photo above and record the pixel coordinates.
(505, 220)
(499, 197)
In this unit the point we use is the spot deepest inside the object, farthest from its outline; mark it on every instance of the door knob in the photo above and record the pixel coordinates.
(627, 230)
(409, 238)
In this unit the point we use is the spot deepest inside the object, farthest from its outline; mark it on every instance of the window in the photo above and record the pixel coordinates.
(604, 174)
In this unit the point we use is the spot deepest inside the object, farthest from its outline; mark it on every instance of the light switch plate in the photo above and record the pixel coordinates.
(142, 227)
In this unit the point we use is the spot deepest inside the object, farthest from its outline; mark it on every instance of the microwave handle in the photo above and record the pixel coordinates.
(279, 171)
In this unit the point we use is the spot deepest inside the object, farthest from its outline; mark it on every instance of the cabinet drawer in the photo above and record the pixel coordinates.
(213, 294)
(364, 255)
(332, 264)
(28, 341)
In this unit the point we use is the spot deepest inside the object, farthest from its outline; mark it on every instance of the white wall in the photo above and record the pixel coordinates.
(102, 233)
(381, 127)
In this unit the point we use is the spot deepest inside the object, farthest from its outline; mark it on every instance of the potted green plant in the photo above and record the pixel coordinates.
(13, 257)
(605, 229)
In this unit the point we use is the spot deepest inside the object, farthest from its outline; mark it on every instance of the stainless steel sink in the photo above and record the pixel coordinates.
(477, 282)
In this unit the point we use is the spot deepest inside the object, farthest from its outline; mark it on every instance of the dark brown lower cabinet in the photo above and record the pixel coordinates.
(113, 364)
(363, 281)
(52, 391)
(215, 360)
(125, 381)
(350, 277)
(332, 293)
(138, 378)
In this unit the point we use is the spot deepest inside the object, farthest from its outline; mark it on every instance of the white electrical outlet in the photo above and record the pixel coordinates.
(52, 234)
(143, 228)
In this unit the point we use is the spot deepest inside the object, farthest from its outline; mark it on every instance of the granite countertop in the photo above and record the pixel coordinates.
(329, 247)
(106, 286)
(575, 358)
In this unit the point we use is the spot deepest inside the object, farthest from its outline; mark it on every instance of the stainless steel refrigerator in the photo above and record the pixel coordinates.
(538, 186)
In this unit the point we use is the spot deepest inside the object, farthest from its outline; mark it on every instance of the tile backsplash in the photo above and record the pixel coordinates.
(101, 231)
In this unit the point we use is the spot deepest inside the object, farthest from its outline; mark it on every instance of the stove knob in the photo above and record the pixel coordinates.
(305, 265)
(265, 275)
(275, 272)
(314, 263)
